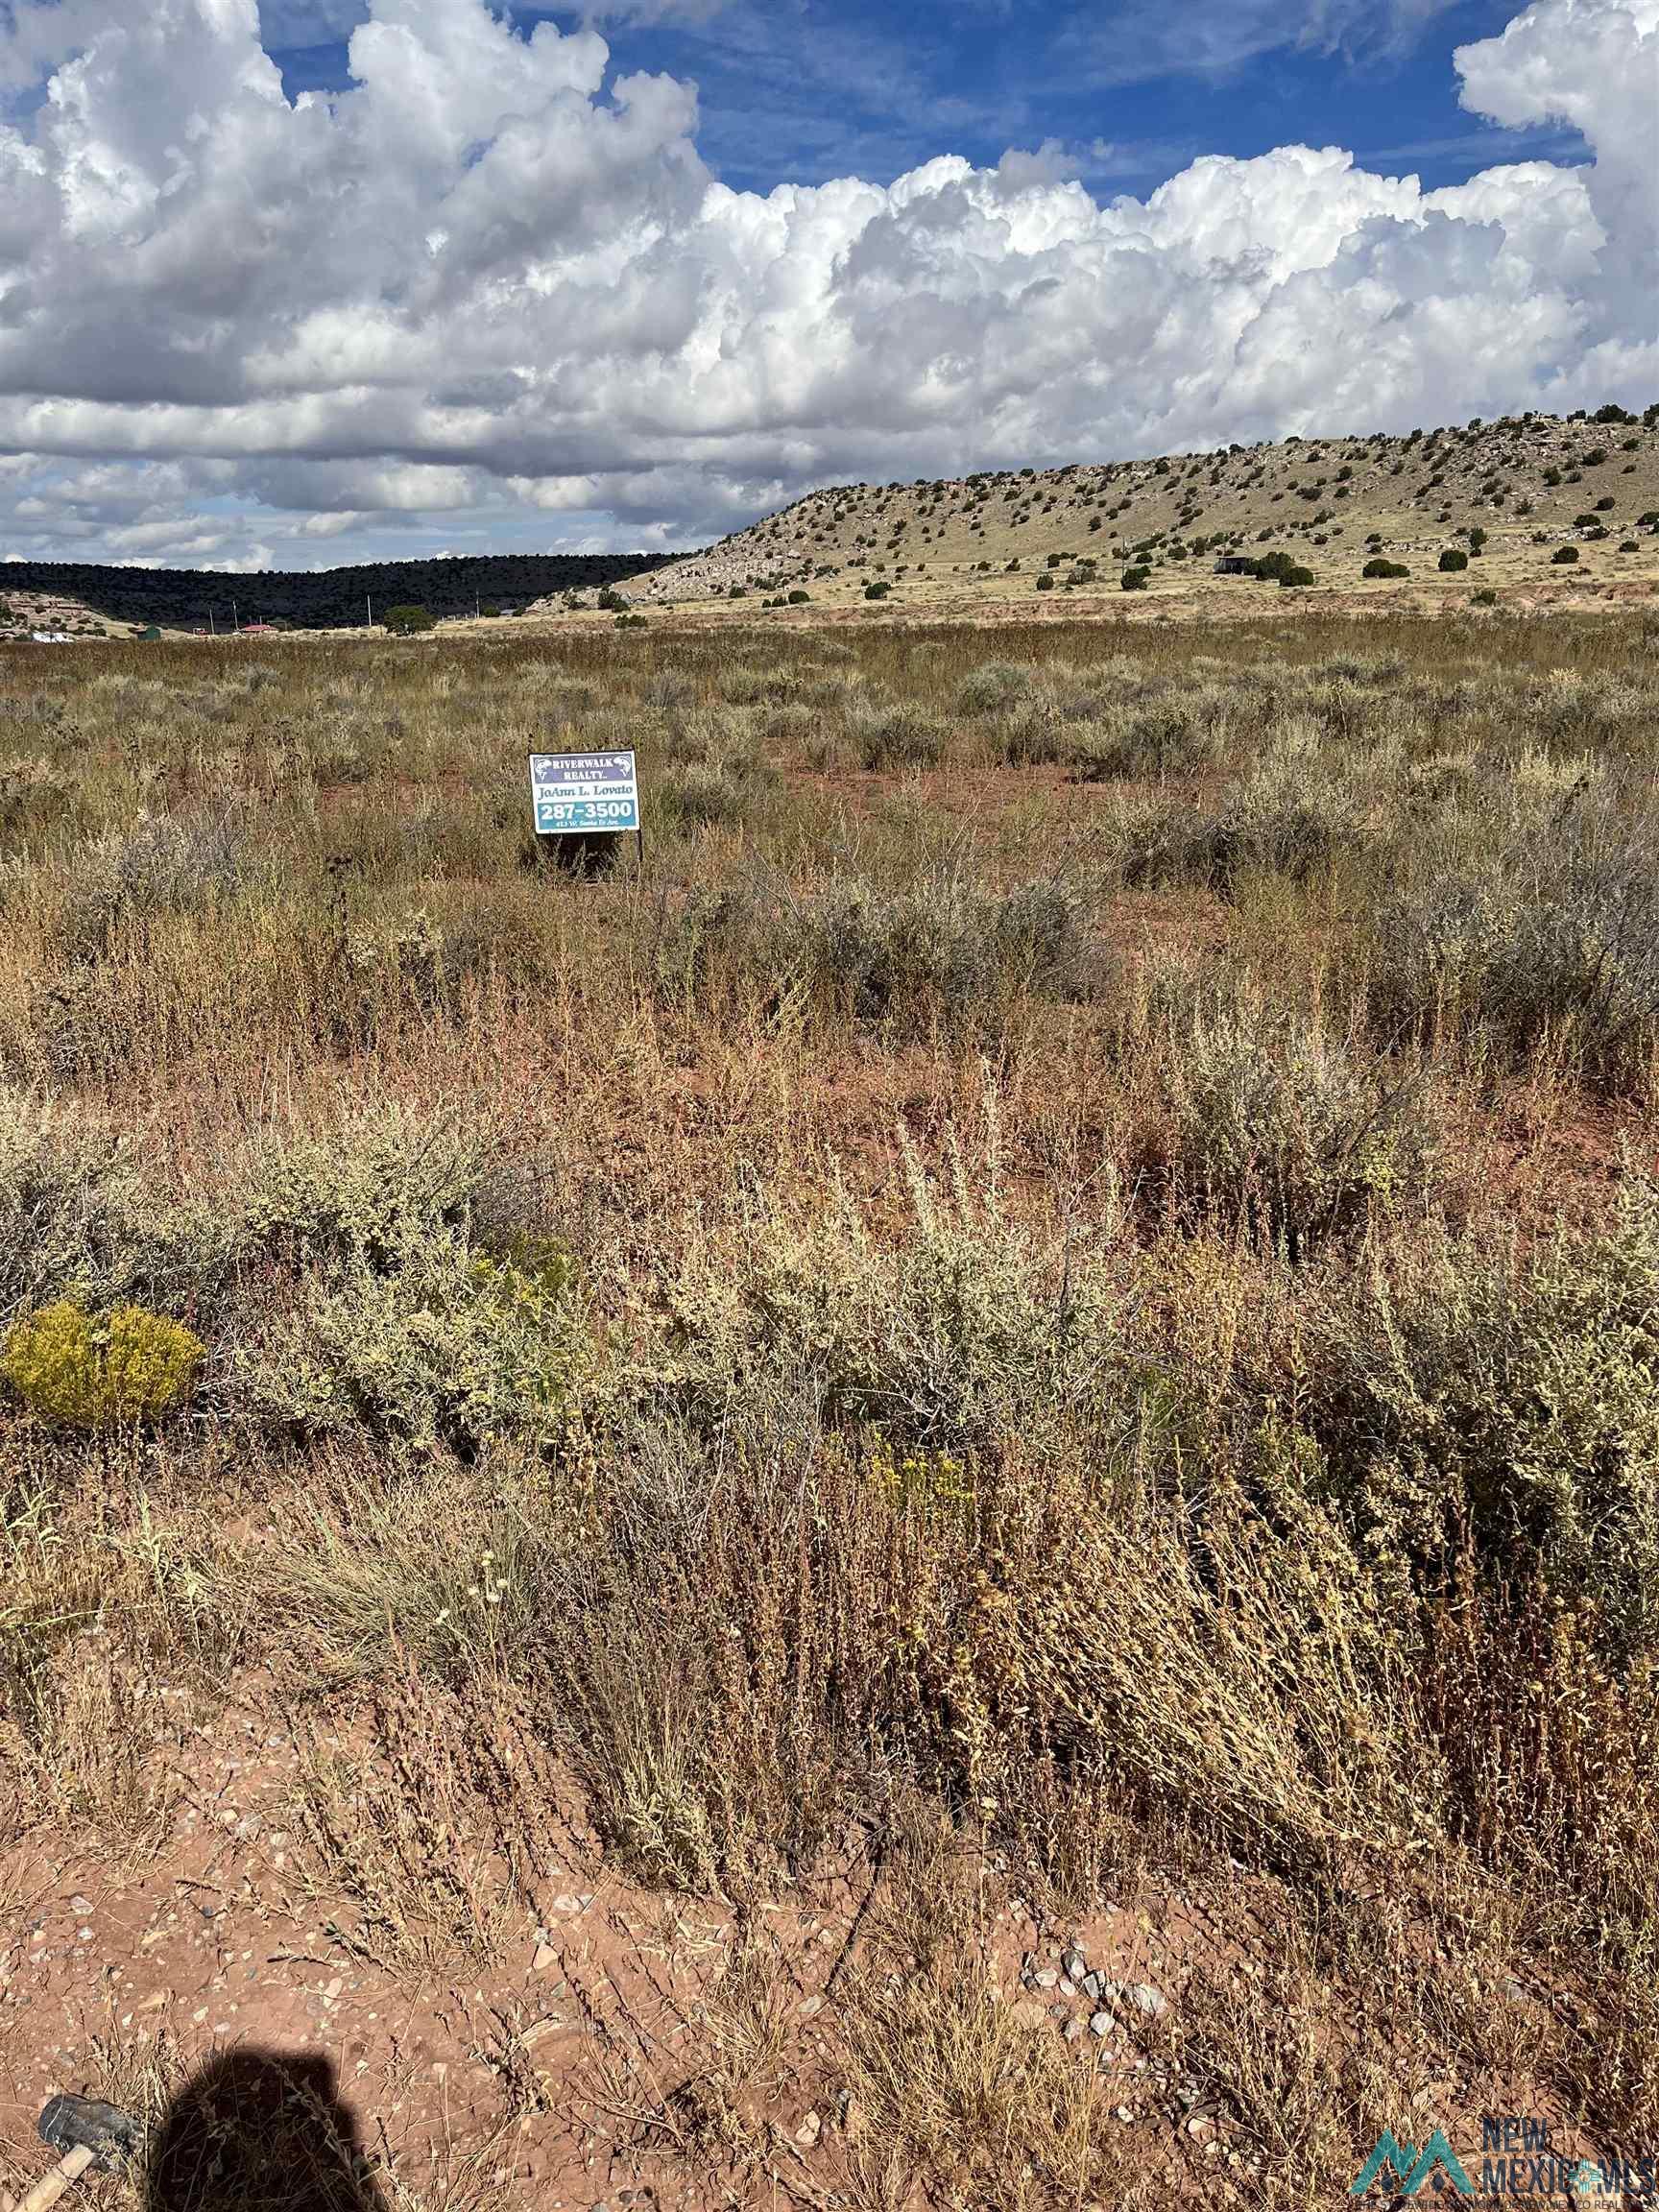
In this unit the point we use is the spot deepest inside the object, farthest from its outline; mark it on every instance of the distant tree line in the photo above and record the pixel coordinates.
(323, 599)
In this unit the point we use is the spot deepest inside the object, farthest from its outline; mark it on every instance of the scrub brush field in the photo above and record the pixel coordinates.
(949, 1501)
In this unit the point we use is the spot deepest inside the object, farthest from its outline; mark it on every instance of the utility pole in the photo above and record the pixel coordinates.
(369, 602)
(212, 627)
(236, 620)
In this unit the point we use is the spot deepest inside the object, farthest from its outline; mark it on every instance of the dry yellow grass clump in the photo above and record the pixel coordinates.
(954, 1502)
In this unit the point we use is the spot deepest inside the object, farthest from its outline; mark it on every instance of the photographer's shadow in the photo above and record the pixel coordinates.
(259, 2130)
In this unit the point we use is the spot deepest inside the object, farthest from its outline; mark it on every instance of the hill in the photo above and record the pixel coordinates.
(25, 614)
(1511, 495)
(316, 599)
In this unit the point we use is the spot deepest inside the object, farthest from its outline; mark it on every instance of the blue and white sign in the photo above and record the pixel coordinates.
(584, 791)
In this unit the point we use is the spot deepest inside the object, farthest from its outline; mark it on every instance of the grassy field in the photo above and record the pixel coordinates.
(658, 1489)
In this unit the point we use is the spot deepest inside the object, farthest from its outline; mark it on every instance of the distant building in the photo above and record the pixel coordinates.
(1236, 564)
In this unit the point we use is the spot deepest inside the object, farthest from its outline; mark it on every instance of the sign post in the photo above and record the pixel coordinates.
(587, 795)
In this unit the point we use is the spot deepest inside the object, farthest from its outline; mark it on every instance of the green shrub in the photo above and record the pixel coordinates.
(446, 1349)
(1136, 579)
(157, 868)
(1284, 819)
(1564, 555)
(1280, 568)
(707, 792)
(1279, 1124)
(375, 1187)
(408, 621)
(965, 1329)
(1174, 735)
(1551, 936)
(1035, 730)
(80, 1221)
(996, 687)
(119, 1369)
(942, 952)
(1453, 561)
(1379, 566)
(1513, 1388)
(895, 735)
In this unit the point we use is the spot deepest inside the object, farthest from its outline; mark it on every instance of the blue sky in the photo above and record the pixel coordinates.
(1127, 93)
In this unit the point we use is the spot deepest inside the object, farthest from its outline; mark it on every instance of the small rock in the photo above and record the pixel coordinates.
(80, 1907)
(1147, 1999)
(1199, 2125)
(1102, 2024)
(809, 2130)
(1045, 1977)
(1075, 1964)
(565, 1903)
(810, 2006)
(546, 1956)
(1066, 1986)
(1094, 1987)
(1074, 2029)
(1125, 2114)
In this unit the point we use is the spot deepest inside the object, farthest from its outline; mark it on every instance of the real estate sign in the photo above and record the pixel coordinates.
(584, 792)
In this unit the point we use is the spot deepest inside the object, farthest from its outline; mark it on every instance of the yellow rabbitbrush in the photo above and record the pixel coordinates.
(81, 1370)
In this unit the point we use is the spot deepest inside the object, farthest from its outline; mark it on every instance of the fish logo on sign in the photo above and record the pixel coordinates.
(577, 793)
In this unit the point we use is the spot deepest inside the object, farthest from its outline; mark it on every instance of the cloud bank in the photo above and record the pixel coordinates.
(492, 282)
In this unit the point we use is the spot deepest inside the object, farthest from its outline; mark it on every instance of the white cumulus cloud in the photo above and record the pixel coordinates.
(493, 280)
